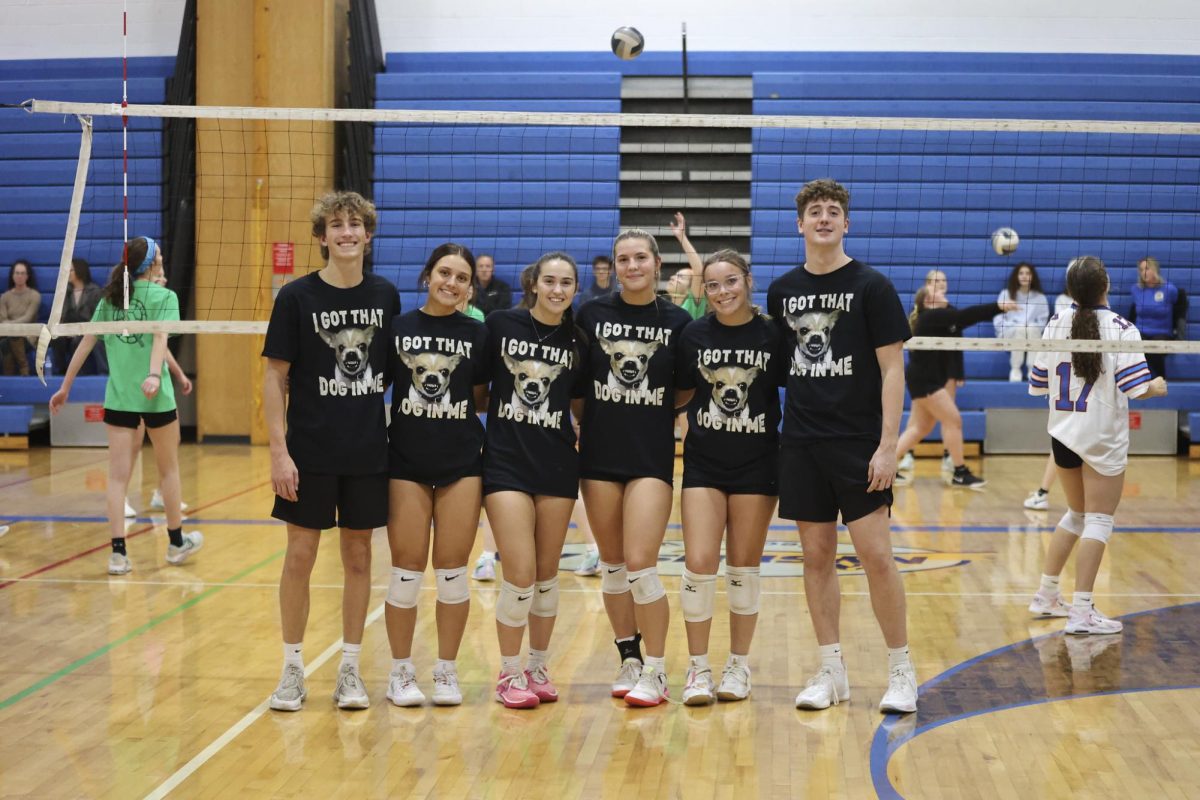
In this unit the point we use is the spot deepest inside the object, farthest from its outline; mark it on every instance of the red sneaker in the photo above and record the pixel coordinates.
(513, 692)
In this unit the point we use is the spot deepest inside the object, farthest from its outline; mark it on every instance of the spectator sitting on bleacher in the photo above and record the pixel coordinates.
(491, 293)
(20, 303)
(1159, 309)
(602, 281)
(1030, 317)
(78, 306)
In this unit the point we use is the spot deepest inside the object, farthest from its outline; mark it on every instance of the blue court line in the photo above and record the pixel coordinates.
(674, 526)
(882, 745)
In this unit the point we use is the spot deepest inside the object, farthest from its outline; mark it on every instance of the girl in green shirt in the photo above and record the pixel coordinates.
(139, 389)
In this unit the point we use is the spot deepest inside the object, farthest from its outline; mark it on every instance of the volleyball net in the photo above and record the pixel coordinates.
(926, 197)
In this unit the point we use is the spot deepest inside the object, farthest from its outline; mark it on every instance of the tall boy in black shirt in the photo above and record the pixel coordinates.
(326, 352)
(845, 329)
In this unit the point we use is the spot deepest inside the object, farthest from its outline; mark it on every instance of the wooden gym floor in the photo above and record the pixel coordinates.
(155, 683)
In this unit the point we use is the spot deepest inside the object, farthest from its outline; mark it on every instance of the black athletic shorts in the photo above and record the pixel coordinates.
(760, 478)
(821, 478)
(434, 475)
(1064, 456)
(131, 419)
(358, 502)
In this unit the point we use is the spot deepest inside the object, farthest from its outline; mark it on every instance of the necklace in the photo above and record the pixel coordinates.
(537, 335)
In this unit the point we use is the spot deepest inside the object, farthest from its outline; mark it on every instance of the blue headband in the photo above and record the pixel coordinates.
(151, 251)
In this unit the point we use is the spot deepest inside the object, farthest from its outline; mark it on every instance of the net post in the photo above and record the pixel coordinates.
(68, 249)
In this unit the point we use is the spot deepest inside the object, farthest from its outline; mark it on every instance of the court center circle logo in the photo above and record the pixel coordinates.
(784, 559)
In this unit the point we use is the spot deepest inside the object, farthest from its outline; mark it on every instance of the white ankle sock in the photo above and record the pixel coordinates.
(1082, 600)
(399, 663)
(898, 657)
(831, 655)
(293, 654)
(1050, 583)
(700, 661)
(510, 665)
(740, 661)
(659, 664)
(446, 666)
(350, 654)
(537, 658)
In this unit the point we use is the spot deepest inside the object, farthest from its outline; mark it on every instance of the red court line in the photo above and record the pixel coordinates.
(146, 529)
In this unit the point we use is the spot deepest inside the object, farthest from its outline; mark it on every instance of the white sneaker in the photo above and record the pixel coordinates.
(698, 687)
(349, 691)
(1015, 376)
(651, 689)
(156, 502)
(735, 682)
(901, 694)
(445, 688)
(1048, 605)
(403, 690)
(290, 694)
(192, 541)
(906, 462)
(828, 687)
(1037, 501)
(119, 564)
(1090, 621)
(627, 677)
(130, 512)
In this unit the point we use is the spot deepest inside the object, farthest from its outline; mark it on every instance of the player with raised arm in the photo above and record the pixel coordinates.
(1088, 394)
(327, 365)
(732, 360)
(845, 329)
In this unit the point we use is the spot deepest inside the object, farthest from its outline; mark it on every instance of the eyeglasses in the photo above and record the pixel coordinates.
(729, 284)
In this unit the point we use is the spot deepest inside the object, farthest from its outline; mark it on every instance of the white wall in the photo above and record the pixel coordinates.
(87, 28)
(1054, 26)
(92, 28)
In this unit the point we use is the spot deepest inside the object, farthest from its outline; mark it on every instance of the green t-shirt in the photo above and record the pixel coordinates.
(473, 312)
(129, 356)
(697, 308)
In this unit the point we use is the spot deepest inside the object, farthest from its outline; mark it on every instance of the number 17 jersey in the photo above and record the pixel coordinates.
(1092, 419)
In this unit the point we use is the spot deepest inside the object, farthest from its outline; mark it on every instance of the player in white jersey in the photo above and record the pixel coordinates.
(1089, 429)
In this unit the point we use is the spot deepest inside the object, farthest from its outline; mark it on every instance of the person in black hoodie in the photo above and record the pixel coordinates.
(929, 370)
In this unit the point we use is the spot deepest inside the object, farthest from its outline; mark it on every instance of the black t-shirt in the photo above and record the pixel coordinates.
(628, 424)
(534, 374)
(436, 364)
(497, 296)
(832, 325)
(336, 342)
(928, 370)
(733, 418)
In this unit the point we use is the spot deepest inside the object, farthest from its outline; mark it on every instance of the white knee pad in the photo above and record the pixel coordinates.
(452, 586)
(404, 588)
(1098, 527)
(697, 595)
(512, 608)
(613, 578)
(646, 586)
(741, 583)
(545, 598)
(1072, 522)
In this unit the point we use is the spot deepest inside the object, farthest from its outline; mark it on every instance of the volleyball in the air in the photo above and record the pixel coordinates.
(627, 43)
(1005, 241)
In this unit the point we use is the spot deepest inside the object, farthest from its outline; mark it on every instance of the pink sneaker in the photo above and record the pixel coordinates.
(513, 692)
(540, 684)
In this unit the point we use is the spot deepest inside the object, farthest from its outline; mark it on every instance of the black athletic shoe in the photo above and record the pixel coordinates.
(964, 478)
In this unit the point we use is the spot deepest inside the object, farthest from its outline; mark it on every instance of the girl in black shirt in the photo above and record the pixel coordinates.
(928, 372)
(531, 469)
(627, 456)
(440, 367)
(732, 359)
